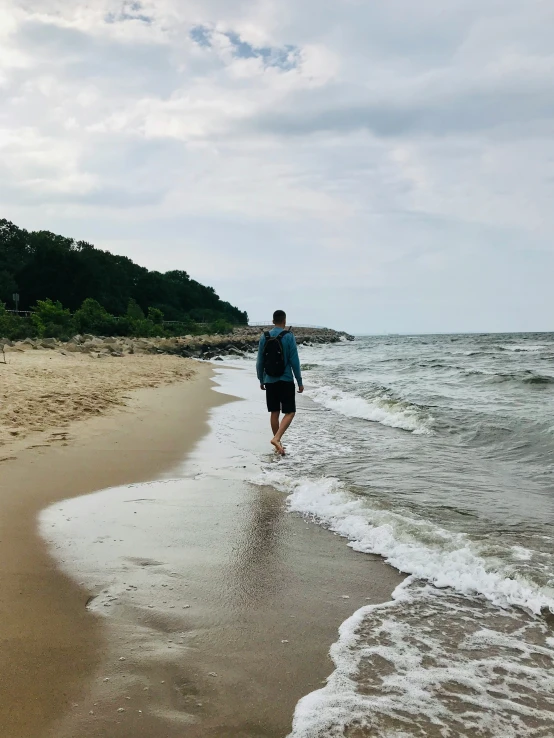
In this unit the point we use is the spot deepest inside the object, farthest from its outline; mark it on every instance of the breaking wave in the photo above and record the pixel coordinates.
(459, 651)
(381, 409)
(413, 546)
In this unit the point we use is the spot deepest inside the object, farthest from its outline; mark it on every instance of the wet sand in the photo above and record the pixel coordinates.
(51, 645)
(226, 618)
(218, 606)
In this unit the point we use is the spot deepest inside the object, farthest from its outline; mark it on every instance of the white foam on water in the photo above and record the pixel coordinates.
(449, 656)
(525, 348)
(385, 411)
(419, 547)
(432, 664)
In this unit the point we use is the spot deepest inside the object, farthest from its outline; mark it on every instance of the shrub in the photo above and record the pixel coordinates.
(91, 317)
(156, 316)
(220, 327)
(134, 310)
(51, 319)
(13, 326)
(183, 328)
(145, 328)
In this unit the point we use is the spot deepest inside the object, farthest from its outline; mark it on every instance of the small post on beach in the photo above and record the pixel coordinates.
(16, 300)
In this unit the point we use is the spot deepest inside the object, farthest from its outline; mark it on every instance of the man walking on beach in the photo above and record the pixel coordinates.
(277, 362)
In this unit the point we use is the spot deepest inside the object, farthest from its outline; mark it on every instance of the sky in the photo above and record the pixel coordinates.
(372, 166)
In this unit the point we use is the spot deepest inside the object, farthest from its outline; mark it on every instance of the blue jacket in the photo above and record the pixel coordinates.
(292, 362)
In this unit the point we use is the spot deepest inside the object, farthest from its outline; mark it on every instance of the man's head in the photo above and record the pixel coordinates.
(279, 318)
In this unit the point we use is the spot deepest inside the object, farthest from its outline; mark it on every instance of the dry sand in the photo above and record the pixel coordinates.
(41, 391)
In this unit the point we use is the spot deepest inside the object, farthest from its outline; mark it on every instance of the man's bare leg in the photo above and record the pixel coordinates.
(276, 440)
(275, 422)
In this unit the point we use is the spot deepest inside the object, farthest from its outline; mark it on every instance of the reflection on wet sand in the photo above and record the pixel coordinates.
(257, 565)
(232, 622)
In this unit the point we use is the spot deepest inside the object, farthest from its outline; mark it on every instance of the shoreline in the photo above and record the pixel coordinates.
(219, 605)
(51, 643)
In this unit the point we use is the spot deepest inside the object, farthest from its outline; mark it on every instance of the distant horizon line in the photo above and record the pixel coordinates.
(457, 333)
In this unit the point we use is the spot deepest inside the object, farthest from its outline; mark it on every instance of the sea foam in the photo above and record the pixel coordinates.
(418, 547)
(383, 410)
(434, 663)
(449, 655)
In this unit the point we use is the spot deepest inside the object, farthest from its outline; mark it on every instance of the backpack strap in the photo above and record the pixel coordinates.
(267, 336)
(283, 333)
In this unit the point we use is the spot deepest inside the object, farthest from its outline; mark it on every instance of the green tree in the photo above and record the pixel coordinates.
(134, 310)
(44, 265)
(93, 318)
(8, 285)
(51, 319)
(155, 315)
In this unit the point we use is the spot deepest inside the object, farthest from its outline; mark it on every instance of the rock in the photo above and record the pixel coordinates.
(88, 337)
(76, 339)
(233, 350)
(94, 344)
(218, 358)
(50, 343)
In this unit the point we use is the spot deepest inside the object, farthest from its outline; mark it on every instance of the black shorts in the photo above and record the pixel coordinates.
(280, 396)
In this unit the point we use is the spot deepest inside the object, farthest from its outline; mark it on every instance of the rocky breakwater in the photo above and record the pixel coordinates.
(242, 341)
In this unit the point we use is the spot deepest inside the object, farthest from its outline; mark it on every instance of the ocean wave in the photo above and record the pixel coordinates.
(429, 659)
(538, 379)
(431, 663)
(523, 348)
(382, 409)
(413, 546)
(523, 377)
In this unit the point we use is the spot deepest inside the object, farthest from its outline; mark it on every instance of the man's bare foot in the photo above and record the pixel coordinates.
(278, 446)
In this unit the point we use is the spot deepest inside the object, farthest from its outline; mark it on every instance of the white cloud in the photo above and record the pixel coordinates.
(391, 160)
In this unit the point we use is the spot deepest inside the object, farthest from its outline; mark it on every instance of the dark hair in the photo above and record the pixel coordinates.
(279, 316)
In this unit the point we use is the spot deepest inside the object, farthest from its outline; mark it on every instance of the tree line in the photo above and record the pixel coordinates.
(68, 284)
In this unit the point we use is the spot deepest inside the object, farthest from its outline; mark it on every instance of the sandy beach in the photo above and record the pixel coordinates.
(42, 391)
(250, 594)
(50, 643)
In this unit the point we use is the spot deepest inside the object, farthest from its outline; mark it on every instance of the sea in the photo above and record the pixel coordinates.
(436, 453)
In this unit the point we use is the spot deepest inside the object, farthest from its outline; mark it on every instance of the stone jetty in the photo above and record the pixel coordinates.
(243, 340)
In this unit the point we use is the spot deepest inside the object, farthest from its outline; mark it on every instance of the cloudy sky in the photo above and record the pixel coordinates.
(373, 165)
